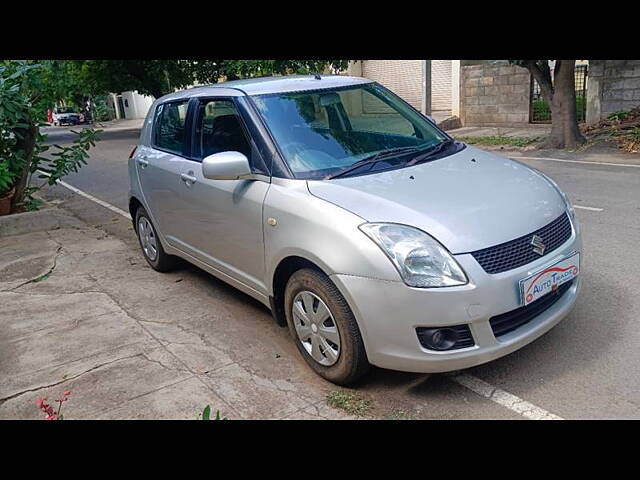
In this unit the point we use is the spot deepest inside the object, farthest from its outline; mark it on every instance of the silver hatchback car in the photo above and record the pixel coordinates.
(369, 232)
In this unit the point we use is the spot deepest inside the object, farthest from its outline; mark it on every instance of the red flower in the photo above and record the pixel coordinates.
(48, 410)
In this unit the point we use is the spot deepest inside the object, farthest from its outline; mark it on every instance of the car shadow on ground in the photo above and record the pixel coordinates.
(230, 295)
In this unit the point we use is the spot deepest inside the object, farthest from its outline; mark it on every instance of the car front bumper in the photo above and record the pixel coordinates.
(388, 313)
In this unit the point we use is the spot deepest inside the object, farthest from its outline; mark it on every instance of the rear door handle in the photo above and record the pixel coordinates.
(143, 161)
(188, 179)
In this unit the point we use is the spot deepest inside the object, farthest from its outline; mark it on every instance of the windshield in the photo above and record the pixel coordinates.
(65, 110)
(325, 131)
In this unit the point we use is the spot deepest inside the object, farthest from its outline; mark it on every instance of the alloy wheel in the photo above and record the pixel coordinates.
(147, 238)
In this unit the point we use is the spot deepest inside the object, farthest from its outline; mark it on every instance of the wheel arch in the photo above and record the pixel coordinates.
(281, 275)
(134, 204)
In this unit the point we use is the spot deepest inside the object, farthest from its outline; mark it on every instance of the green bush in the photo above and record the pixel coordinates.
(542, 112)
(581, 107)
(104, 112)
(21, 142)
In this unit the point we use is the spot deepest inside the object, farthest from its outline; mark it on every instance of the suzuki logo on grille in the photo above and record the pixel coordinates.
(538, 246)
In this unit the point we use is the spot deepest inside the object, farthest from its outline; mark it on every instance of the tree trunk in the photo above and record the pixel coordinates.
(560, 94)
(564, 120)
(27, 145)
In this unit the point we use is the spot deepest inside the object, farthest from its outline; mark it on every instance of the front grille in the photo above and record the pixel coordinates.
(518, 252)
(508, 322)
(465, 339)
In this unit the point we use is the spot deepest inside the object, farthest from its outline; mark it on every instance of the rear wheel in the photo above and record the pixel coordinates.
(324, 328)
(152, 249)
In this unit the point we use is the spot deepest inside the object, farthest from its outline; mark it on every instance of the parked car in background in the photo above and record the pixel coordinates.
(67, 116)
(368, 231)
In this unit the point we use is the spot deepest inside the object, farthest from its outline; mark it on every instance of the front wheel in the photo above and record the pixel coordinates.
(324, 328)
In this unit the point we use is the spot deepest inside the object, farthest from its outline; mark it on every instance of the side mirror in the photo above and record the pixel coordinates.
(225, 166)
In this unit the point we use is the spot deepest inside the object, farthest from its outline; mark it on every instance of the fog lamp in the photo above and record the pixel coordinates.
(439, 338)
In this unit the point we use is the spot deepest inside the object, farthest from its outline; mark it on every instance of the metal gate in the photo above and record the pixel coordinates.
(539, 111)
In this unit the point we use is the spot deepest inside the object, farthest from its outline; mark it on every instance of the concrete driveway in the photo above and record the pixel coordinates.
(164, 345)
(81, 310)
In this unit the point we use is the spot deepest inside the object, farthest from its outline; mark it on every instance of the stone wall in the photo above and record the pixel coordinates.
(494, 95)
(612, 86)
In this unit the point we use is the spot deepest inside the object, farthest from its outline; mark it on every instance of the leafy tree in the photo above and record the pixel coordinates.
(559, 90)
(159, 77)
(54, 82)
(24, 88)
(149, 77)
(233, 69)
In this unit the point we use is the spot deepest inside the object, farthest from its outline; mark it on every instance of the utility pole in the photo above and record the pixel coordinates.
(426, 87)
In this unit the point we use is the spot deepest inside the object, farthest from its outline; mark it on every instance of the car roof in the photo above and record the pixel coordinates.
(267, 85)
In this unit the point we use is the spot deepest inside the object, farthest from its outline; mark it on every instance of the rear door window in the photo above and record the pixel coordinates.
(169, 130)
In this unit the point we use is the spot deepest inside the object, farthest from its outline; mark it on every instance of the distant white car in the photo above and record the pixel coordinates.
(67, 116)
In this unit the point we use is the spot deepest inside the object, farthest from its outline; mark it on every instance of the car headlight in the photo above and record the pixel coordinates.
(421, 261)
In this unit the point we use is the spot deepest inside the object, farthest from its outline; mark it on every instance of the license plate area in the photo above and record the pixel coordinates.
(549, 279)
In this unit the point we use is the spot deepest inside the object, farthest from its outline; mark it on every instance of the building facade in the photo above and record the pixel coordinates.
(431, 86)
(130, 105)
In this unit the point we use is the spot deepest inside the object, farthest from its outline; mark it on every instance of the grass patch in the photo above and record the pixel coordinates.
(41, 278)
(501, 140)
(399, 415)
(350, 402)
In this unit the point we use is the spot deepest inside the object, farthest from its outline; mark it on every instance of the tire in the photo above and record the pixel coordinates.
(308, 288)
(161, 261)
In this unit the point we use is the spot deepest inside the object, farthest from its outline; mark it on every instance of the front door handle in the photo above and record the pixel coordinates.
(142, 161)
(188, 179)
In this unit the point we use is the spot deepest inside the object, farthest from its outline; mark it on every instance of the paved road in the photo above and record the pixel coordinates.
(106, 174)
(586, 367)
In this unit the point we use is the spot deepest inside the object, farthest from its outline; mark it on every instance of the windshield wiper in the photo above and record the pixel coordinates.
(431, 152)
(371, 159)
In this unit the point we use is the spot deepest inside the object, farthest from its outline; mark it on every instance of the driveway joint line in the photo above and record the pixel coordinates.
(35, 389)
(159, 342)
